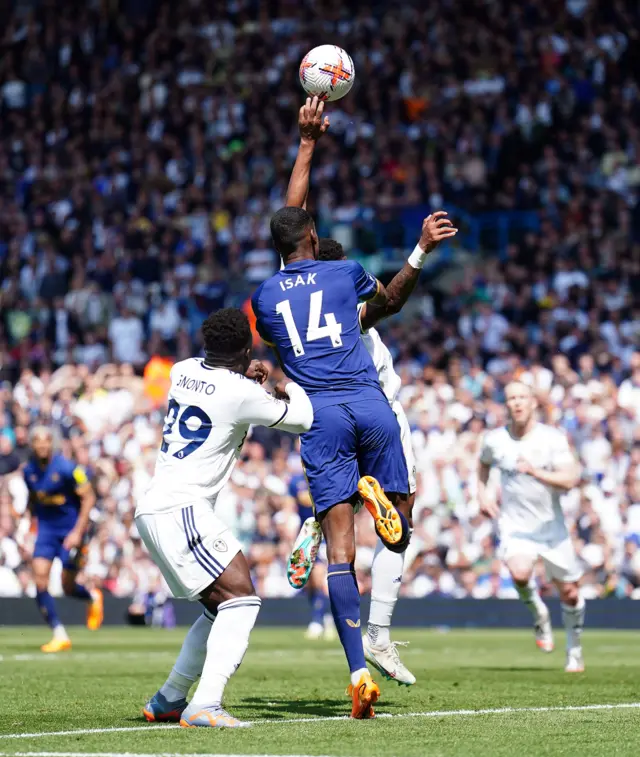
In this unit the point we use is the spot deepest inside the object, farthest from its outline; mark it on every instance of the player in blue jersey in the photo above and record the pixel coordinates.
(60, 500)
(388, 566)
(308, 313)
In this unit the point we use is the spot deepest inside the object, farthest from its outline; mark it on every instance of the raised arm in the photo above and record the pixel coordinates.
(312, 126)
(435, 228)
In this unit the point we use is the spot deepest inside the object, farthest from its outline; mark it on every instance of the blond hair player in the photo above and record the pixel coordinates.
(536, 467)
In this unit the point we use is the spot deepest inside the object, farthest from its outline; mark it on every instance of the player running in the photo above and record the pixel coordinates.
(387, 568)
(536, 466)
(60, 500)
(211, 405)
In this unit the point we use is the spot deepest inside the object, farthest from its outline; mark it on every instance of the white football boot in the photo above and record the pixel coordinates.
(575, 661)
(544, 633)
(387, 661)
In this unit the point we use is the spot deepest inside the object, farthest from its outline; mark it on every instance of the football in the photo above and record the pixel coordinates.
(327, 72)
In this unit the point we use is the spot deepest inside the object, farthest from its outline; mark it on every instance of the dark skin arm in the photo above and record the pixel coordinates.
(435, 228)
(312, 126)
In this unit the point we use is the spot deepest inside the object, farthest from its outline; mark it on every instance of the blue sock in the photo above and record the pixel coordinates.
(318, 601)
(47, 608)
(345, 607)
(79, 592)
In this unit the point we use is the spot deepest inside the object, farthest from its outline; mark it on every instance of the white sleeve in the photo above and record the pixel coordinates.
(486, 452)
(562, 454)
(262, 409)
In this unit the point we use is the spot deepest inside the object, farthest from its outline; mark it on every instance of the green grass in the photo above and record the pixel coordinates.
(103, 683)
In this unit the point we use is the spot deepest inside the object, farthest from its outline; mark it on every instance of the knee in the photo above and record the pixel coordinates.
(41, 582)
(520, 577)
(569, 594)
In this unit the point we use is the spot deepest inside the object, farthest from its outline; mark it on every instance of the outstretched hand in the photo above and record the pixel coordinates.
(435, 228)
(311, 122)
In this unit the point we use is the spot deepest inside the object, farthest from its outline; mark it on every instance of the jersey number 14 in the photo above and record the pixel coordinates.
(331, 330)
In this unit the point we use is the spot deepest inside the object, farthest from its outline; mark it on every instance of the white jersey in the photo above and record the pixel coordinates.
(387, 376)
(528, 507)
(208, 417)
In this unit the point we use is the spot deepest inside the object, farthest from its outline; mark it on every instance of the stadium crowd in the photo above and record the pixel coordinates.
(143, 146)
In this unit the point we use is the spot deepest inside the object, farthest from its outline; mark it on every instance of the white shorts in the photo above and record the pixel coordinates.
(558, 555)
(191, 546)
(405, 437)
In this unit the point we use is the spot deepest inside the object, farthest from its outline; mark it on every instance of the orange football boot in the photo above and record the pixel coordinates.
(363, 697)
(385, 516)
(56, 645)
(95, 611)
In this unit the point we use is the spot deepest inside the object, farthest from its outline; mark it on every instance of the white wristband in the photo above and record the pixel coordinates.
(417, 257)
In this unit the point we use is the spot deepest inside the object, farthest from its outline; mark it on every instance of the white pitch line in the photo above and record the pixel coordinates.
(136, 754)
(386, 716)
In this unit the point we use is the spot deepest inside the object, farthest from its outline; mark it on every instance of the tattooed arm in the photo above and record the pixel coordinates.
(435, 228)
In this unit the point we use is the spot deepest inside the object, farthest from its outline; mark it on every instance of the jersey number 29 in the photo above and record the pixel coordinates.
(195, 437)
(315, 331)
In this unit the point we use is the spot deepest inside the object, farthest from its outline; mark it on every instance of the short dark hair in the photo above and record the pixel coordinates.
(226, 332)
(330, 249)
(288, 227)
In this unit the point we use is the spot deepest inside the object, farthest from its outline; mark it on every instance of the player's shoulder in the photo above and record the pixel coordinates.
(551, 433)
(189, 364)
(496, 434)
(61, 464)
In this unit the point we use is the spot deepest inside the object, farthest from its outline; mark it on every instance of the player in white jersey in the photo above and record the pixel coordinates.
(387, 567)
(212, 404)
(536, 467)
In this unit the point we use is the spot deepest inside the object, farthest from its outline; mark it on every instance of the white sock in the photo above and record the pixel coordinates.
(357, 675)
(60, 633)
(531, 597)
(226, 646)
(573, 618)
(386, 580)
(190, 660)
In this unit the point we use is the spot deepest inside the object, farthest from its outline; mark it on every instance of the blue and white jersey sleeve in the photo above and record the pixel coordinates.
(366, 285)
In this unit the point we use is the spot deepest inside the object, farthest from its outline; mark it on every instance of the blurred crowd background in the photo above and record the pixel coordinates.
(144, 145)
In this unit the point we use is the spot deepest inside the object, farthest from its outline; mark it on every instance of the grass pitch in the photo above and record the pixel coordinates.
(292, 690)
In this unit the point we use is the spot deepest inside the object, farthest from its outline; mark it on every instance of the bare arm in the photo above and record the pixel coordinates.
(87, 497)
(312, 126)
(488, 506)
(435, 228)
(567, 477)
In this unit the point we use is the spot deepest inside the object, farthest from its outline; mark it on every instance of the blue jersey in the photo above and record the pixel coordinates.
(53, 491)
(308, 312)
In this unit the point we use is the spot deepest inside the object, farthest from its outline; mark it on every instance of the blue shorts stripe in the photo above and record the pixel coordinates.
(199, 543)
(193, 547)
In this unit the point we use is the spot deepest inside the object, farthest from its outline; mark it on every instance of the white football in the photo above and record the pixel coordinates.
(327, 72)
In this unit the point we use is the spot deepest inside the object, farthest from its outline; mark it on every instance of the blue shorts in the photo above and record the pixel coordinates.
(49, 546)
(349, 441)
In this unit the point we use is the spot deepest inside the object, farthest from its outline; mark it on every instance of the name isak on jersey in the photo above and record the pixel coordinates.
(196, 385)
(298, 281)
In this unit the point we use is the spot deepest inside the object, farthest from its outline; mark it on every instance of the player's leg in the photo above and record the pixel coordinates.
(71, 564)
(211, 569)
(563, 568)
(386, 574)
(328, 452)
(520, 557)
(46, 549)
(170, 701)
(233, 599)
(318, 601)
(382, 455)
